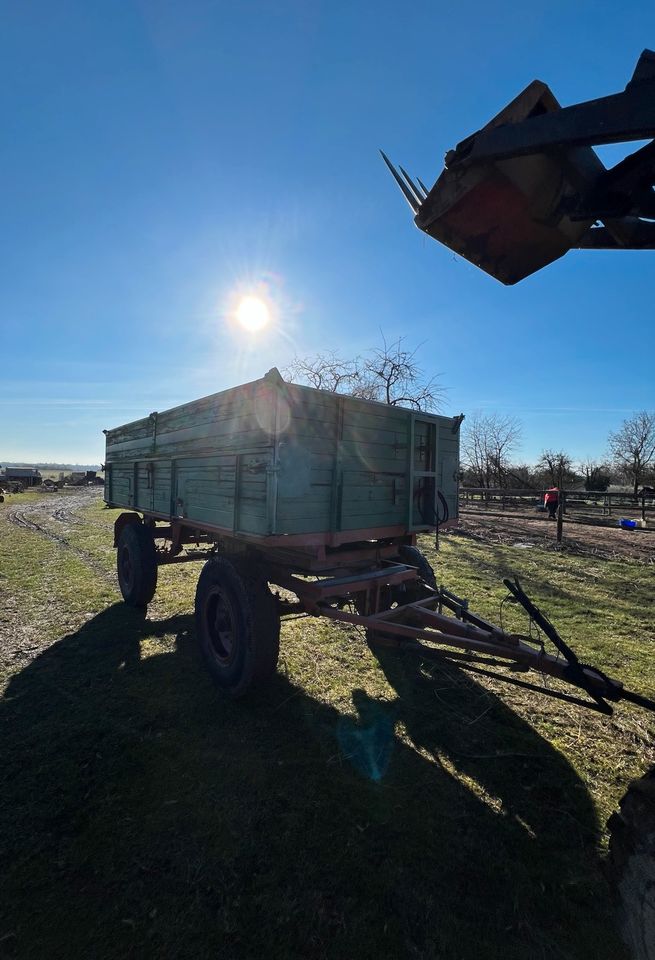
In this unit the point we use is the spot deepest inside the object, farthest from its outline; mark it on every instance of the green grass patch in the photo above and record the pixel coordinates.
(356, 808)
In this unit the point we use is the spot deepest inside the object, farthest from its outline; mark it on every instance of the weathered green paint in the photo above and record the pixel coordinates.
(274, 458)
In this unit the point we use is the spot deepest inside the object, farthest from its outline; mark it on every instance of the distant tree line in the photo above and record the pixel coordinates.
(52, 466)
(489, 443)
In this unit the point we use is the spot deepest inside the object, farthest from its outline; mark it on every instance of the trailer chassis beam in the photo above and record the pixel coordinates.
(377, 598)
(421, 628)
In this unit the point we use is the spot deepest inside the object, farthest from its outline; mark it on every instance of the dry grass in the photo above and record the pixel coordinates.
(357, 808)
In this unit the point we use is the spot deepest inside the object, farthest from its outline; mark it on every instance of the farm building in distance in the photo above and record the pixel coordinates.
(28, 476)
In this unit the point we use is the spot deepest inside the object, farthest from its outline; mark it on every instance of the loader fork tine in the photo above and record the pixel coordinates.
(423, 187)
(412, 186)
(409, 196)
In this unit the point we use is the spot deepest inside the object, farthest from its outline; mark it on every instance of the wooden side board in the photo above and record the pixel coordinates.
(275, 459)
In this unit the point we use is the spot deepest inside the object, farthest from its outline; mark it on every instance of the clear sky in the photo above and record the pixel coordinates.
(161, 157)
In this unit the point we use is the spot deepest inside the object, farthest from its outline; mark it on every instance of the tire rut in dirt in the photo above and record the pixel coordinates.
(26, 519)
(64, 515)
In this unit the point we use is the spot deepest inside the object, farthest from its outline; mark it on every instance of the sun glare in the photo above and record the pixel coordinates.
(253, 314)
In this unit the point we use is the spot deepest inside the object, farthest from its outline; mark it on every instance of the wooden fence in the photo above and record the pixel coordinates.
(584, 506)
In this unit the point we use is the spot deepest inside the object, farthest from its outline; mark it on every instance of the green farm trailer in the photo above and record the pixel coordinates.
(321, 496)
(276, 464)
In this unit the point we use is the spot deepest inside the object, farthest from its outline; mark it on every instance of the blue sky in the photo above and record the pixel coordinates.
(160, 158)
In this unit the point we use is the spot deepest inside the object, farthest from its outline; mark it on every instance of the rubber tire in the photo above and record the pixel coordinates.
(255, 620)
(413, 557)
(632, 866)
(139, 587)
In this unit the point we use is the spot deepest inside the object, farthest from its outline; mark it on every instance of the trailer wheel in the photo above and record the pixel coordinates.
(413, 557)
(410, 592)
(632, 866)
(238, 627)
(136, 564)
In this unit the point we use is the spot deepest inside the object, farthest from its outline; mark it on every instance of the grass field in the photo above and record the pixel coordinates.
(357, 808)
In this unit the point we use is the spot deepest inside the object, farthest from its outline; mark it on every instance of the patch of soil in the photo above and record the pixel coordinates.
(607, 543)
(52, 519)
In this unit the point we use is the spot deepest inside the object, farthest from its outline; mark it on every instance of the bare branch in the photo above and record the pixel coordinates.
(556, 465)
(598, 476)
(633, 447)
(325, 371)
(390, 374)
(487, 443)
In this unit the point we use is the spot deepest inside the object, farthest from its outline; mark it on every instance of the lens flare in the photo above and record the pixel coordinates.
(253, 314)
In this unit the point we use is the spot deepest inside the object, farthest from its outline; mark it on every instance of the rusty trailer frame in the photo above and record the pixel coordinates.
(422, 627)
(372, 586)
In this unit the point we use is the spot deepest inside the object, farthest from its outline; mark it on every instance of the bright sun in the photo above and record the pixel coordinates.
(253, 314)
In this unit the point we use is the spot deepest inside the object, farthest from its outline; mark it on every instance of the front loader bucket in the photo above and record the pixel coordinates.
(505, 216)
(528, 186)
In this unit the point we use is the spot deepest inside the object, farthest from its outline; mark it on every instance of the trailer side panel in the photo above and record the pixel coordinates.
(270, 458)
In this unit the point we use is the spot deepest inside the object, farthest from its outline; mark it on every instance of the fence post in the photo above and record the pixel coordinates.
(560, 515)
(560, 508)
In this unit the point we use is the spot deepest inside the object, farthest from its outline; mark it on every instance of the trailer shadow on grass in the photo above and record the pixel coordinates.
(143, 815)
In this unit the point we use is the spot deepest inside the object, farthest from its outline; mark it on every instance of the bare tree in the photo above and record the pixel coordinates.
(557, 467)
(325, 371)
(487, 444)
(521, 475)
(598, 476)
(393, 375)
(390, 374)
(633, 447)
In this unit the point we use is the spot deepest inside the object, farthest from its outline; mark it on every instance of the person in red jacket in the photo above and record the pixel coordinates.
(551, 502)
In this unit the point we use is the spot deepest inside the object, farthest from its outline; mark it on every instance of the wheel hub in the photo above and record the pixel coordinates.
(221, 626)
(126, 567)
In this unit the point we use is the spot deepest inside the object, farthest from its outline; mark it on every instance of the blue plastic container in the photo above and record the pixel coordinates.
(627, 524)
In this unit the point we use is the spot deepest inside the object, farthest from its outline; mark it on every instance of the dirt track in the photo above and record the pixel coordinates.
(52, 516)
(61, 506)
(609, 543)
